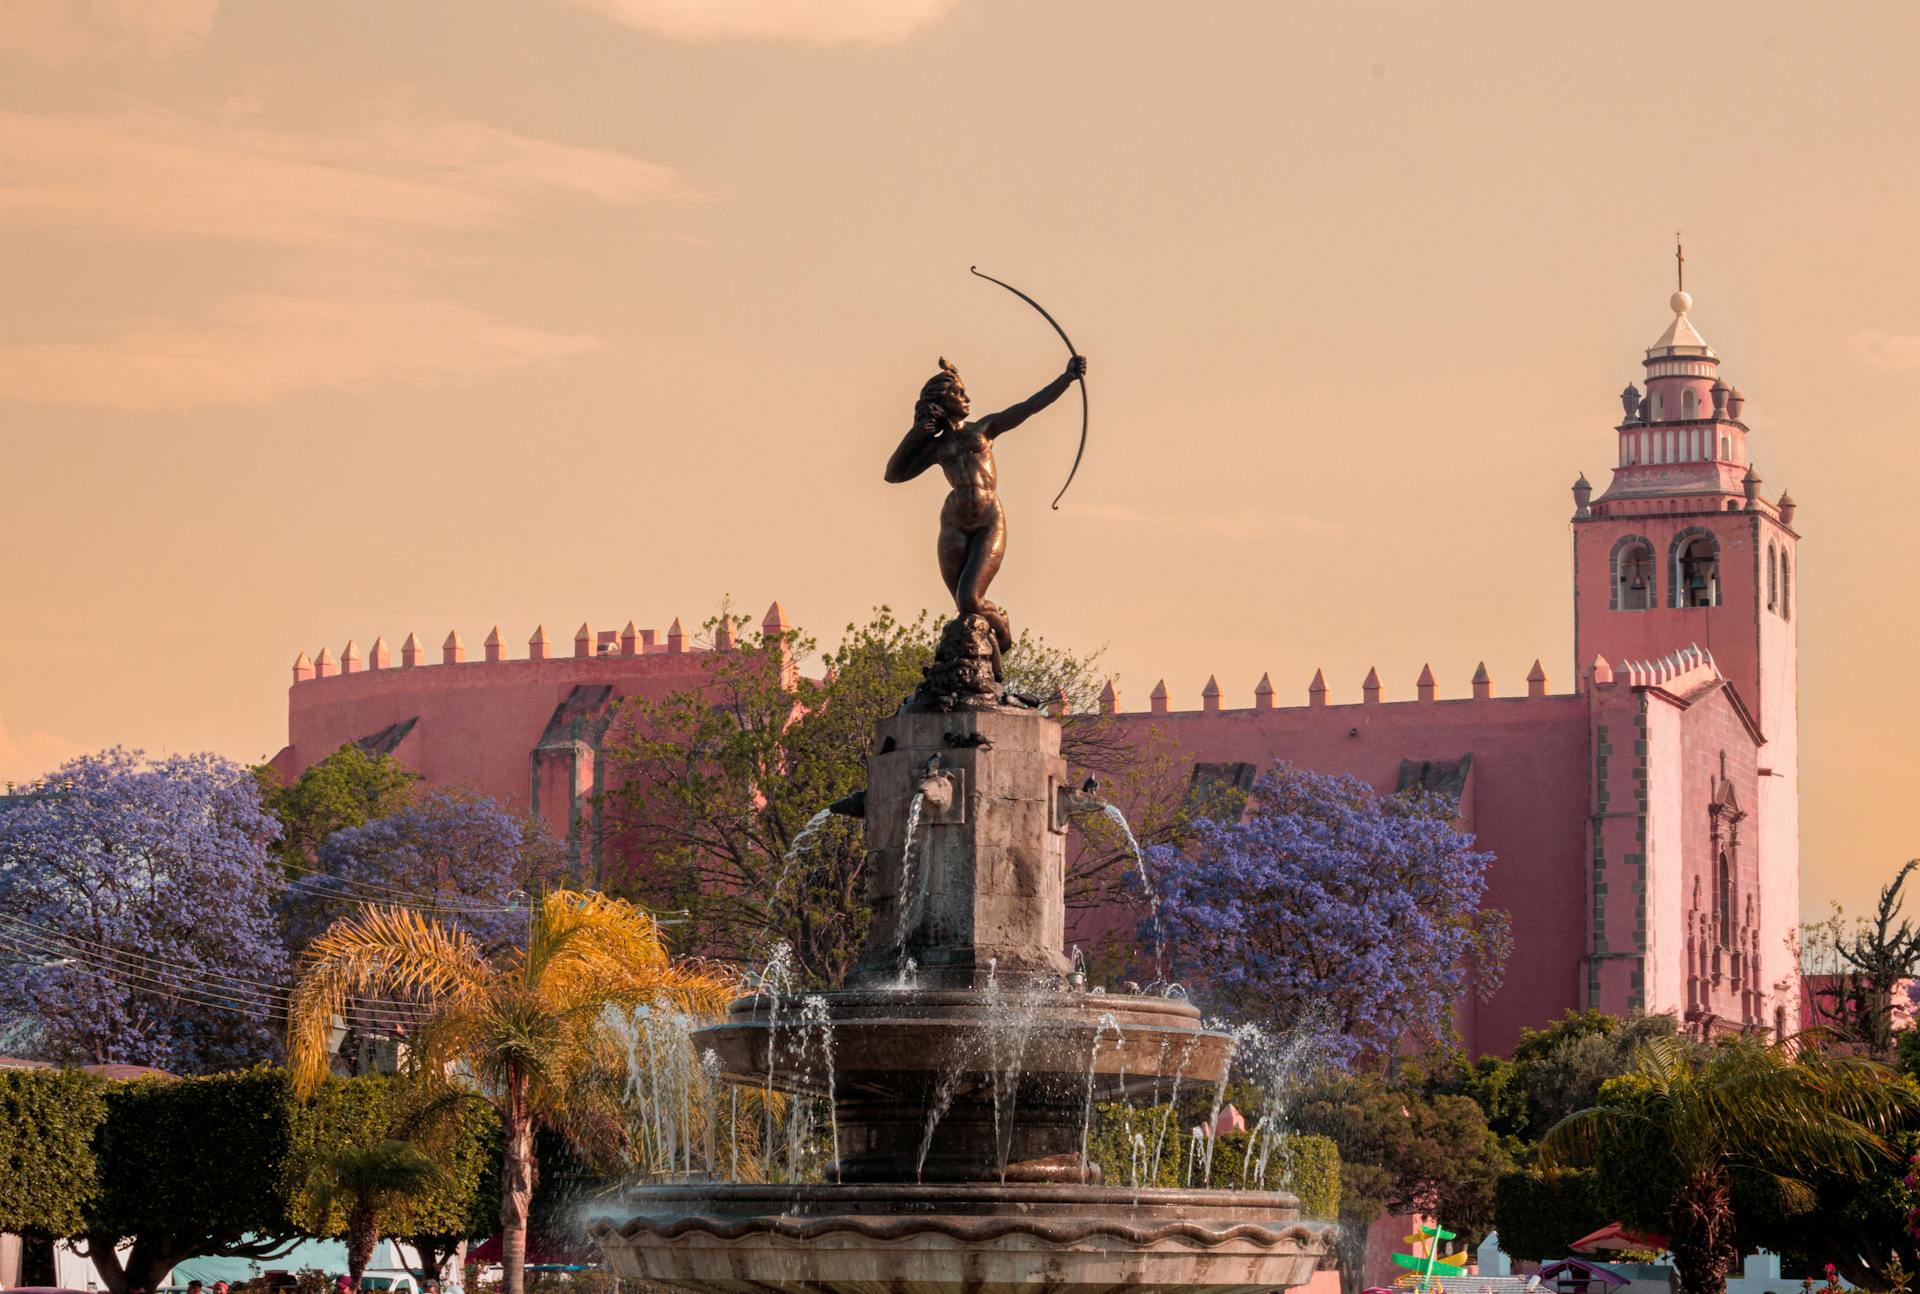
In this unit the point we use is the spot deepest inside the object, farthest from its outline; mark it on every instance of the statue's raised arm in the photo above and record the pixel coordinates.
(999, 424)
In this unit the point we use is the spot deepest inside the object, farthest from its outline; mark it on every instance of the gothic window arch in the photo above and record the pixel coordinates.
(1726, 449)
(1693, 568)
(1690, 404)
(1658, 411)
(1786, 588)
(1773, 577)
(1633, 574)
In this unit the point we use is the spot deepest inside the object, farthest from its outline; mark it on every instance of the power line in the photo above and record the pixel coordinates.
(367, 891)
(159, 974)
(163, 964)
(182, 994)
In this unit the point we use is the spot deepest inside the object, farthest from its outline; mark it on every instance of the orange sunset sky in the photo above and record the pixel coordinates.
(330, 320)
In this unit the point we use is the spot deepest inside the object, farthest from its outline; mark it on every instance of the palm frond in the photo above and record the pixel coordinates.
(1585, 1136)
(381, 950)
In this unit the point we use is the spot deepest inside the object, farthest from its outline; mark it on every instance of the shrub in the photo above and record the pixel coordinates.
(1308, 1166)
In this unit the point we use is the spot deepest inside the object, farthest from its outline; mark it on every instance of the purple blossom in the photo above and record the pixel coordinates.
(1327, 901)
(137, 924)
(457, 856)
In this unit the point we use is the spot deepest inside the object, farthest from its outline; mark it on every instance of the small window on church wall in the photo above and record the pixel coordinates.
(1786, 590)
(1690, 405)
(1633, 578)
(1726, 449)
(1657, 402)
(1773, 578)
(1697, 573)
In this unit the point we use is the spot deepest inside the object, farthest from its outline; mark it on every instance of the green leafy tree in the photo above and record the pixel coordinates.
(1552, 1072)
(349, 788)
(155, 1192)
(717, 783)
(1687, 1124)
(1401, 1151)
(1857, 1222)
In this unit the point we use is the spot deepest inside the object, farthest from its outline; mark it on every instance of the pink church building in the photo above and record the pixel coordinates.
(1645, 822)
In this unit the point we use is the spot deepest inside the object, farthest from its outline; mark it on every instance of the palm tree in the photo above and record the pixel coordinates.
(369, 1181)
(521, 1024)
(1692, 1117)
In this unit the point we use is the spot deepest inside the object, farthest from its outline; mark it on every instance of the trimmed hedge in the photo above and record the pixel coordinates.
(1539, 1217)
(198, 1163)
(1309, 1166)
(48, 1119)
(202, 1157)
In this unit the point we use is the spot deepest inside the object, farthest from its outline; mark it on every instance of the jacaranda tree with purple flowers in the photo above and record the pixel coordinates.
(1327, 901)
(454, 854)
(137, 901)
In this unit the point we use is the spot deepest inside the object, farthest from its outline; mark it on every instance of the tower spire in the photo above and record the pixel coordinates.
(1679, 263)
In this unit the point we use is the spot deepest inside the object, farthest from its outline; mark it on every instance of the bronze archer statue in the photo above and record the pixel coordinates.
(973, 529)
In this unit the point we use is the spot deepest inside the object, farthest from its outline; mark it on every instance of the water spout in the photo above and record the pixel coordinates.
(1119, 819)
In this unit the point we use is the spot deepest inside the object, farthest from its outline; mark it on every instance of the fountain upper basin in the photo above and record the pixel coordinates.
(897, 1041)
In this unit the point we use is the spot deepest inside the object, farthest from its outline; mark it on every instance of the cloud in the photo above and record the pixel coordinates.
(356, 217)
(251, 349)
(32, 754)
(1244, 524)
(1887, 350)
(60, 31)
(151, 171)
(817, 22)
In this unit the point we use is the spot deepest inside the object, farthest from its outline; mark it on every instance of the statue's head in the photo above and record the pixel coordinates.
(943, 397)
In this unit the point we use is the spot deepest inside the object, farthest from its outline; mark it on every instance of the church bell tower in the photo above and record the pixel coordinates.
(1682, 550)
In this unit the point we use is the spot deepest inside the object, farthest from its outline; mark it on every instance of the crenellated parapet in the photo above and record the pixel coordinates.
(1680, 671)
(1373, 691)
(588, 644)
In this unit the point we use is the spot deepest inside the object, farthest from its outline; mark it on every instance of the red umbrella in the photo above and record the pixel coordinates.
(1615, 1236)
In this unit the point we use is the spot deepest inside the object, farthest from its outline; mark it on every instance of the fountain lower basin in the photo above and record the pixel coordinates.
(950, 1239)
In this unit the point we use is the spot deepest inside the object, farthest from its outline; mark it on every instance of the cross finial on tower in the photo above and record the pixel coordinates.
(1679, 263)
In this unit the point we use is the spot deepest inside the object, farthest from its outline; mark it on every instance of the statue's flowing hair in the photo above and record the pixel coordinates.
(928, 407)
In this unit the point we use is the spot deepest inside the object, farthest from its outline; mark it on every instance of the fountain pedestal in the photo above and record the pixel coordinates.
(980, 889)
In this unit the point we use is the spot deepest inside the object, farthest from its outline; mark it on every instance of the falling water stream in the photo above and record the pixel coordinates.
(802, 840)
(1119, 819)
(908, 900)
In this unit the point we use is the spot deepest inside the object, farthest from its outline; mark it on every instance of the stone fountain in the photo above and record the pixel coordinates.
(967, 1053)
(966, 1057)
